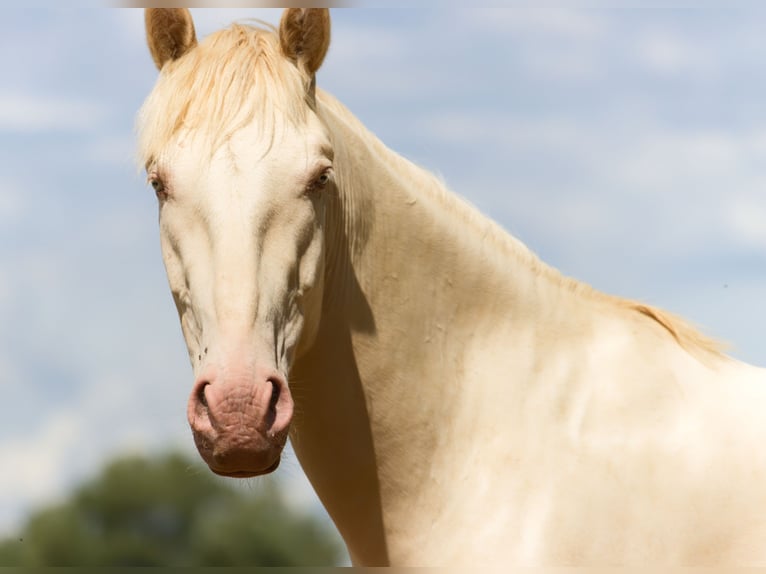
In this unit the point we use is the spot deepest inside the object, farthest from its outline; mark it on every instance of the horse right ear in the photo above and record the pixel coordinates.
(304, 35)
(169, 33)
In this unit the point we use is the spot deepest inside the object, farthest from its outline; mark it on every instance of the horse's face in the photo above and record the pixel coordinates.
(242, 240)
(242, 246)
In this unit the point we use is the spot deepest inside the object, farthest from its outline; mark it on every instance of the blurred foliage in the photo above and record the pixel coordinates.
(168, 511)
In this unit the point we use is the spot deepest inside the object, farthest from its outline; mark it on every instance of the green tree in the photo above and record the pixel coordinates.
(168, 511)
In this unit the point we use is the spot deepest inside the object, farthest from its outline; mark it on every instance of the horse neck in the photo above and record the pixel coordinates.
(410, 262)
(414, 278)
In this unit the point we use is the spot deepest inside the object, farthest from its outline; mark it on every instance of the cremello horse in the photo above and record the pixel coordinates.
(452, 399)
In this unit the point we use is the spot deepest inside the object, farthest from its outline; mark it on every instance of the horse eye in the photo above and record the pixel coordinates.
(157, 185)
(323, 179)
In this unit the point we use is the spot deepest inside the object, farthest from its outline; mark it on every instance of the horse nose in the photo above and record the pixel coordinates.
(240, 424)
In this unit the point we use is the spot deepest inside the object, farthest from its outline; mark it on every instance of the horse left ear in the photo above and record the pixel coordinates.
(304, 35)
(169, 33)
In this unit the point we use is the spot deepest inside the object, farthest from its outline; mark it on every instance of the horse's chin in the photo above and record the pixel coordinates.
(242, 457)
(246, 473)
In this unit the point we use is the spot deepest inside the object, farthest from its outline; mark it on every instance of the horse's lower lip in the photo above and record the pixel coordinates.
(246, 473)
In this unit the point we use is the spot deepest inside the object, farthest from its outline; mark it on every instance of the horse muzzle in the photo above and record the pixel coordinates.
(240, 423)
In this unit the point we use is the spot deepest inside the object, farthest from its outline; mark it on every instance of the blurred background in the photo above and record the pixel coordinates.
(626, 146)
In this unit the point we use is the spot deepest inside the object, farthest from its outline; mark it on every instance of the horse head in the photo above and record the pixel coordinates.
(241, 165)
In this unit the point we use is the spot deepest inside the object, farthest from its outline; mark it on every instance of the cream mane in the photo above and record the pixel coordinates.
(238, 74)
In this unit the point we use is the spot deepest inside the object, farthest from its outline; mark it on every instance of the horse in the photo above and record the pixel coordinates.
(452, 399)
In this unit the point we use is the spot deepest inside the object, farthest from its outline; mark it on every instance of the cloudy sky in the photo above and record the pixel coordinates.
(626, 145)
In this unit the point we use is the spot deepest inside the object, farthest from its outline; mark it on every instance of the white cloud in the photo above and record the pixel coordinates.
(661, 158)
(360, 44)
(113, 150)
(637, 153)
(501, 132)
(745, 218)
(33, 112)
(670, 53)
(33, 465)
(535, 21)
(12, 202)
(635, 185)
(374, 63)
(553, 42)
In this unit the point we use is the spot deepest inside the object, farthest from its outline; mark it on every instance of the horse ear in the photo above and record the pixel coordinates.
(304, 34)
(169, 33)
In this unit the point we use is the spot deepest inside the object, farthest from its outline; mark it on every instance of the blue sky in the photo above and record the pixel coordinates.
(625, 145)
